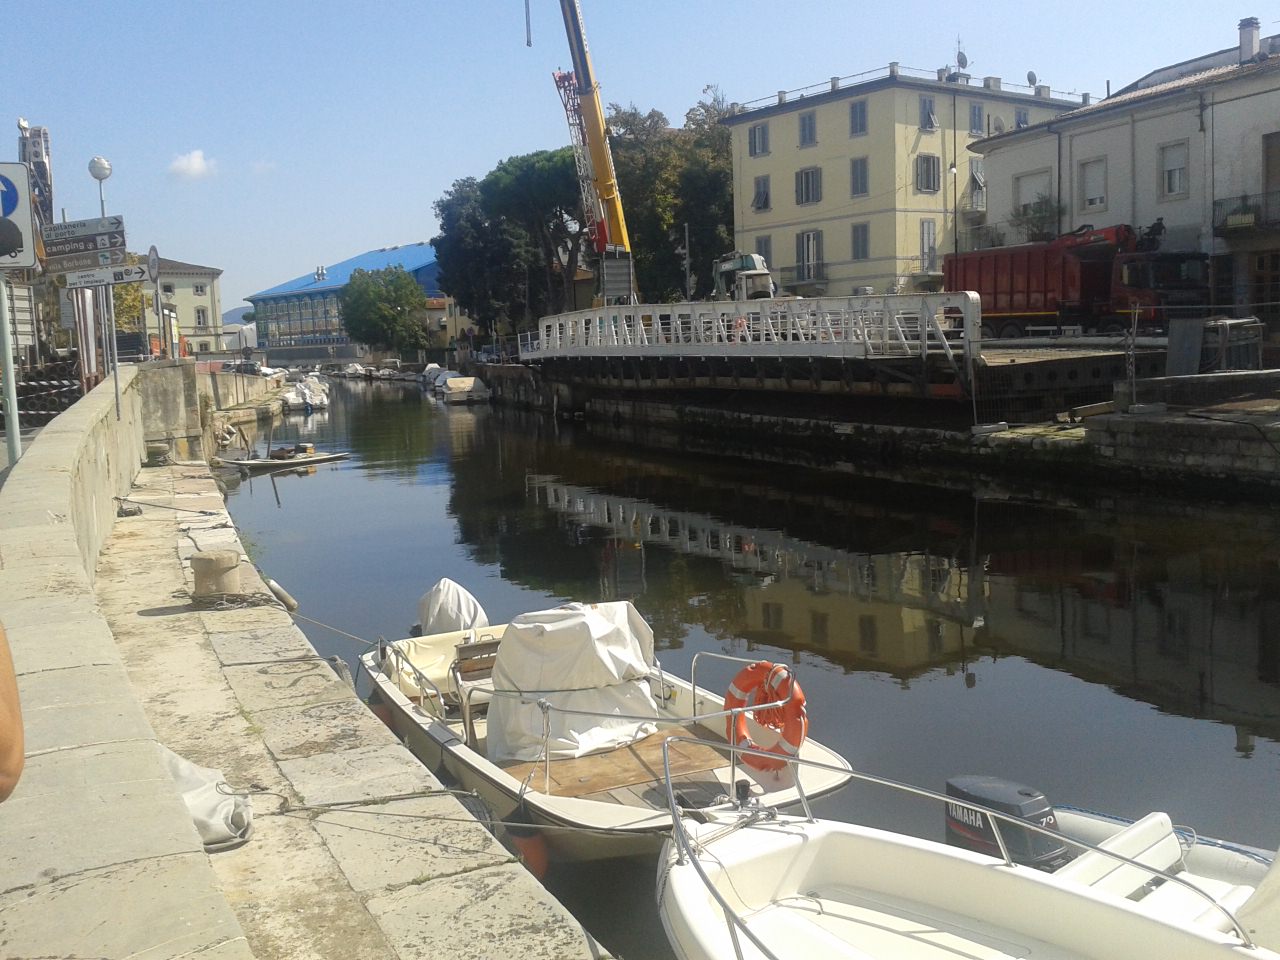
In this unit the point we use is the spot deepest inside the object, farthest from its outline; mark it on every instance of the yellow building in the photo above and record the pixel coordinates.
(860, 185)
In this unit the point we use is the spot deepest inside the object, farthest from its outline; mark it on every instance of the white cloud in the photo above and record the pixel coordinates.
(193, 166)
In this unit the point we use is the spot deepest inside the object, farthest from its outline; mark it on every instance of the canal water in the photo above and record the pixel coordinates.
(1120, 655)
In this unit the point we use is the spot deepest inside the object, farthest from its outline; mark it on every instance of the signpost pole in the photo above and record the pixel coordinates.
(108, 294)
(12, 425)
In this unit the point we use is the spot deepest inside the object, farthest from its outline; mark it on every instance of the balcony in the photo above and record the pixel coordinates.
(807, 279)
(973, 206)
(1248, 215)
(927, 266)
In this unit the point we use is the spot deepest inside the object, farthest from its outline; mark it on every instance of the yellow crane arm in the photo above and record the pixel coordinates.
(594, 133)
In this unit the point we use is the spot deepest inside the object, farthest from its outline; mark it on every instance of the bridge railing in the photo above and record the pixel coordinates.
(842, 327)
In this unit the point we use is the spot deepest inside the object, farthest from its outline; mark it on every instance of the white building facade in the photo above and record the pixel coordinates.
(190, 292)
(1198, 149)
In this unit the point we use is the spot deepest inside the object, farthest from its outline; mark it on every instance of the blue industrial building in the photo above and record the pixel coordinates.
(301, 321)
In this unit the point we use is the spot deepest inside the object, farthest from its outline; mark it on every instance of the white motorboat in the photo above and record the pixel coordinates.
(754, 884)
(559, 718)
(464, 390)
(309, 393)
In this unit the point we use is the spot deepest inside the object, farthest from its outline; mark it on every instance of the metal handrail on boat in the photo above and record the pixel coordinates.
(422, 680)
(684, 846)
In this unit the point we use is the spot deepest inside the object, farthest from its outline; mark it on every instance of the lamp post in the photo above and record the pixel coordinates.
(100, 169)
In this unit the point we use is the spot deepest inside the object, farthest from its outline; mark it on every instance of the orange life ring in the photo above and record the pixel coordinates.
(757, 685)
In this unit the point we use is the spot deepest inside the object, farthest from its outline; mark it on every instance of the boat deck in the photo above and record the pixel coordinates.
(828, 921)
(632, 774)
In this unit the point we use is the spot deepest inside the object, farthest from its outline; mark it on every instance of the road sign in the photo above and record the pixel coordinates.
(105, 277)
(84, 261)
(92, 244)
(153, 264)
(82, 228)
(15, 207)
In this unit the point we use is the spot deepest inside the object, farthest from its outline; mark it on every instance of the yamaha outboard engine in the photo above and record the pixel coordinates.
(972, 829)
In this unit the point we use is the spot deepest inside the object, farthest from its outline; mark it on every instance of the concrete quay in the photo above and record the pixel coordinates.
(357, 851)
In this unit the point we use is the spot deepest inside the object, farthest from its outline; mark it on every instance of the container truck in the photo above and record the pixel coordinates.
(1086, 281)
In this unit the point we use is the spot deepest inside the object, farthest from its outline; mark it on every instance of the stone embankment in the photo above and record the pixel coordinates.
(1215, 432)
(357, 851)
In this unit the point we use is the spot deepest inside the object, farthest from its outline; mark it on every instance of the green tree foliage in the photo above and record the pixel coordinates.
(511, 243)
(385, 308)
(485, 262)
(538, 193)
(127, 299)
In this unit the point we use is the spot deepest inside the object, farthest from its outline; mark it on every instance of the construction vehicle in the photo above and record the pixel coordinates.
(741, 276)
(601, 200)
(1086, 281)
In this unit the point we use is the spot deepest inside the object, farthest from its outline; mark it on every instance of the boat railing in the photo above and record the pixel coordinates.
(547, 708)
(685, 846)
(420, 679)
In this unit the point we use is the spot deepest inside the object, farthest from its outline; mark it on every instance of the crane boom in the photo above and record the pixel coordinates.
(590, 128)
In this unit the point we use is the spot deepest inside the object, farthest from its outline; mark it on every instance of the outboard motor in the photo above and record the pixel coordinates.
(971, 829)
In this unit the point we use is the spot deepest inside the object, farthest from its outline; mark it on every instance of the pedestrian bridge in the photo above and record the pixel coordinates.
(839, 328)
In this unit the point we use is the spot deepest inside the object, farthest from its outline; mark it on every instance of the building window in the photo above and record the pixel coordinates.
(1021, 117)
(166, 288)
(809, 185)
(198, 289)
(1093, 185)
(760, 201)
(1030, 189)
(758, 139)
(928, 173)
(1173, 170)
(928, 118)
(977, 183)
(764, 247)
(202, 346)
(771, 616)
(809, 255)
(202, 317)
(977, 123)
(857, 118)
(859, 185)
(929, 245)
(808, 128)
(868, 641)
(819, 629)
(862, 241)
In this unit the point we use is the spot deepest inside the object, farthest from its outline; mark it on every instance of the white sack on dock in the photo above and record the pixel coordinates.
(223, 821)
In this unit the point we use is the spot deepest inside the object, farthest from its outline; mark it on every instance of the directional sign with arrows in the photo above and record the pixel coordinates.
(84, 244)
(106, 277)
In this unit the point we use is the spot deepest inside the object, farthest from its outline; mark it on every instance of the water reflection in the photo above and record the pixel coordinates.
(1121, 655)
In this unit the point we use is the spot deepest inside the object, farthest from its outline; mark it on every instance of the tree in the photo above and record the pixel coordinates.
(385, 308)
(1038, 220)
(705, 191)
(485, 262)
(127, 299)
(538, 192)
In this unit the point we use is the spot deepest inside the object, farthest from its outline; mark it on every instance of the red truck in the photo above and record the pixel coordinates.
(1090, 280)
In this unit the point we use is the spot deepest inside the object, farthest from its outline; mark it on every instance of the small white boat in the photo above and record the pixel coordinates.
(306, 393)
(754, 884)
(296, 459)
(559, 719)
(464, 390)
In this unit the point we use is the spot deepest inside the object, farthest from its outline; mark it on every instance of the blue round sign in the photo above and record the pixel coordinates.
(8, 197)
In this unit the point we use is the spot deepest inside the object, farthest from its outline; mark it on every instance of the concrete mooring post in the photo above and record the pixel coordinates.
(217, 572)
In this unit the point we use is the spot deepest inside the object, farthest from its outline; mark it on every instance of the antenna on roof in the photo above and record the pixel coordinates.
(1031, 78)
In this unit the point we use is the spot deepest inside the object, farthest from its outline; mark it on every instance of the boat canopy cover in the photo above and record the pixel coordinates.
(447, 607)
(582, 657)
(465, 385)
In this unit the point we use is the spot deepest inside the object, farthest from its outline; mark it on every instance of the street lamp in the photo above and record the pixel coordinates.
(100, 169)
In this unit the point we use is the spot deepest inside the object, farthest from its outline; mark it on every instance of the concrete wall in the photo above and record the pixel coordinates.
(95, 831)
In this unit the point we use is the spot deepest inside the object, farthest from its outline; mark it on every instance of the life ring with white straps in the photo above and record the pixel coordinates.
(757, 685)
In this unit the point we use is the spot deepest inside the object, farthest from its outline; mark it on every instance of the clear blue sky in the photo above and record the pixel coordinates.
(270, 136)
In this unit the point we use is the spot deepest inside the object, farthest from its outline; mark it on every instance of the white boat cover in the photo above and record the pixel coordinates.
(447, 607)
(223, 821)
(588, 657)
(1260, 914)
(465, 386)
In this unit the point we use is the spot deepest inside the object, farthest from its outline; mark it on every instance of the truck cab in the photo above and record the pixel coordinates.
(742, 276)
(1159, 286)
